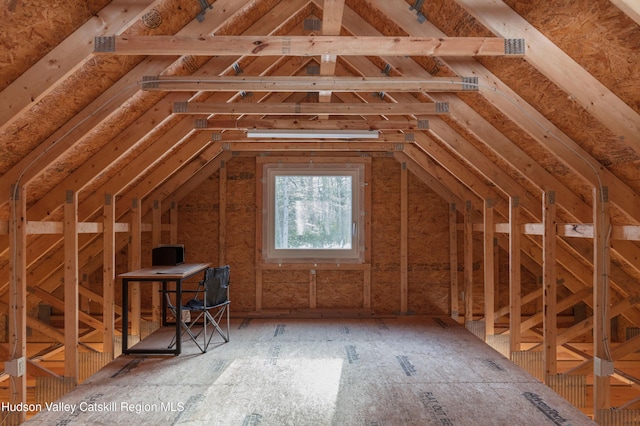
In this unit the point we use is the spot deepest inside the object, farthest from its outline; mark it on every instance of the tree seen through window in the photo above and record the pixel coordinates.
(313, 212)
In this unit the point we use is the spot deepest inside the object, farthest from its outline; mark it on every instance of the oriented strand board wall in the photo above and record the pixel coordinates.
(198, 227)
(289, 289)
(429, 282)
(241, 230)
(198, 217)
(385, 235)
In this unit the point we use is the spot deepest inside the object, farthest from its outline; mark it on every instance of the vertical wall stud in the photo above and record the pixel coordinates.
(453, 259)
(71, 326)
(550, 323)
(367, 234)
(404, 234)
(468, 264)
(222, 215)
(173, 226)
(313, 300)
(135, 262)
(108, 273)
(260, 212)
(18, 292)
(156, 240)
(515, 286)
(601, 320)
(489, 276)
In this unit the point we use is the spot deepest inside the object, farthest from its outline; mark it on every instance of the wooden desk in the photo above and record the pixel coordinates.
(163, 274)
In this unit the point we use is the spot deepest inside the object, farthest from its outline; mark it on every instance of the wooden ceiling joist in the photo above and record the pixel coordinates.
(248, 123)
(308, 84)
(314, 145)
(308, 46)
(332, 15)
(311, 108)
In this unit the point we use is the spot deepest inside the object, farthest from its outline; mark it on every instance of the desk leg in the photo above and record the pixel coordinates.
(179, 319)
(125, 315)
(164, 303)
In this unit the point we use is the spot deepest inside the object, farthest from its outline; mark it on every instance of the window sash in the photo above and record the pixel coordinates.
(355, 254)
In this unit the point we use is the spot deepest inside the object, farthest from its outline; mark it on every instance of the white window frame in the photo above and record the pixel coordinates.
(353, 255)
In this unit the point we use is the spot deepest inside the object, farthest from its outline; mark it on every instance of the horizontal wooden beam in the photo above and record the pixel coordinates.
(574, 230)
(252, 123)
(59, 304)
(35, 227)
(274, 146)
(308, 84)
(308, 46)
(324, 108)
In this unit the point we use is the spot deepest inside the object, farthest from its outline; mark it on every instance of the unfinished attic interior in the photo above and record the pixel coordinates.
(490, 149)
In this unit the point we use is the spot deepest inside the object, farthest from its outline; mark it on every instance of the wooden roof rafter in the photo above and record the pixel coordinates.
(512, 105)
(630, 7)
(504, 182)
(99, 110)
(69, 55)
(142, 165)
(572, 203)
(560, 68)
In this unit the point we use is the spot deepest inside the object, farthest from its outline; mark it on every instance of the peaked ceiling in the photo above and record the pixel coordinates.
(563, 117)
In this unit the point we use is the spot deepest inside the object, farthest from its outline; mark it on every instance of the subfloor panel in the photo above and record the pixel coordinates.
(391, 371)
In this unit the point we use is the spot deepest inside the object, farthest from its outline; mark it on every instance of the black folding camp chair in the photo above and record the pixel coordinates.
(210, 302)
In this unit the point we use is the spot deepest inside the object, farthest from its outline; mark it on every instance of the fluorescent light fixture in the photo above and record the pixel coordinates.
(313, 134)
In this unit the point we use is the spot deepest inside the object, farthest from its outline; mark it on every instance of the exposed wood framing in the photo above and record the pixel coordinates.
(467, 155)
(367, 235)
(258, 235)
(108, 274)
(156, 240)
(222, 215)
(515, 273)
(550, 322)
(389, 144)
(629, 7)
(307, 84)
(601, 298)
(395, 123)
(404, 234)
(550, 60)
(68, 56)
(313, 299)
(453, 260)
(468, 263)
(18, 319)
(310, 108)
(71, 308)
(303, 46)
(135, 262)
(489, 268)
(333, 11)
(173, 218)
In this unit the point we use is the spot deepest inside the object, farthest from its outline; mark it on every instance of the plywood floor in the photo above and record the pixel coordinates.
(391, 371)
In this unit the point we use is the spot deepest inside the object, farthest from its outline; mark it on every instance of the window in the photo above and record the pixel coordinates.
(313, 212)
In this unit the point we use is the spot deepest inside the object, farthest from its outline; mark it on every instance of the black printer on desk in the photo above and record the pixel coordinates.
(167, 255)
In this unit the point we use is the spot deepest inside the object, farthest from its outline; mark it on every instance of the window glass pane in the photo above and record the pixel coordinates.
(313, 212)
